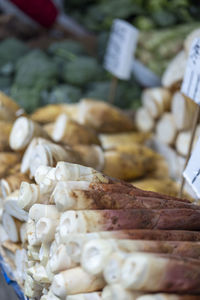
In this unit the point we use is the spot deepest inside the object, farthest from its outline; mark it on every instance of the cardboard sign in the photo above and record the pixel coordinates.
(121, 48)
(192, 170)
(191, 82)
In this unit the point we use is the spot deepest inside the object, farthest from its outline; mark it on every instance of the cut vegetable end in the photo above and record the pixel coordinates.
(60, 127)
(21, 133)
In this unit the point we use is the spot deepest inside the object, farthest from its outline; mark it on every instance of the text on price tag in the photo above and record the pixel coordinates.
(192, 170)
(191, 82)
(121, 48)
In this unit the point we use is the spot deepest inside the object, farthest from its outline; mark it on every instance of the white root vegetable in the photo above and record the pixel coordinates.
(44, 253)
(112, 270)
(70, 172)
(23, 233)
(39, 211)
(90, 156)
(11, 227)
(31, 288)
(183, 110)
(95, 254)
(3, 235)
(144, 121)
(117, 292)
(45, 176)
(75, 281)
(183, 141)
(23, 131)
(190, 38)
(12, 208)
(72, 133)
(33, 253)
(29, 194)
(31, 235)
(156, 101)
(175, 70)
(62, 195)
(49, 296)
(49, 154)
(135, 268)
(86, 296)
(60, 260)
(20, 263)
(12, 183)
(45, 229)
(166, 130)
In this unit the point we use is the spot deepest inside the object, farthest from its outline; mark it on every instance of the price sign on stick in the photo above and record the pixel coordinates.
(120, 51)
(191, 88)
(192, 171)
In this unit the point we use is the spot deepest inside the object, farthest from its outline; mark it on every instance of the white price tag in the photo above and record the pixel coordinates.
(192, 170)
(121, 48)
(191, 82)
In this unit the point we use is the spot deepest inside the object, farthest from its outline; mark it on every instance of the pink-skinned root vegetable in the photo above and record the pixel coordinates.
(163, 296)
(75, 281)
(108, 220)
(159, 273)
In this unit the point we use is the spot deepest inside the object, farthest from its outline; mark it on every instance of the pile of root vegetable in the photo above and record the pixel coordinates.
(69, 230)
(168, 114)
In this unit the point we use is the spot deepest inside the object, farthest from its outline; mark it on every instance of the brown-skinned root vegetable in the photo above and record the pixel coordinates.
(11, 226)
(12, 182)
(86, 296)
(156, 273)
(183, 110)
(61, 260)
(164, 186)
(95, 253)
(38, 211)
(75, 281)
(100, 220)
(32, 289)
(48, 128)
(144, 121)
(122, 187)
(111, 141)
(190, 39)
(161, 170)
(156, 101)
(72, 133)
(163, 296)
(31, 193)
(175, 71)
(45, 229)
(90, 156)
(5, 129)
(48, 155)
(11, 246)
(166, 130)
(8, 103)
(7, 160)
(117, 292)
(23, 131)
(71, 195)
(128, 162)
(49, 113)
(183, 141)
(70, 172)
(103, 117)
(12, 208)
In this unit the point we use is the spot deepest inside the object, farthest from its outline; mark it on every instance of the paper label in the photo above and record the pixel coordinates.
(191, 82)
(192, 170)
(121, 48)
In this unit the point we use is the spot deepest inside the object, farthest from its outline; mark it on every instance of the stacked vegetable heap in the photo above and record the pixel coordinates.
(68, 231)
